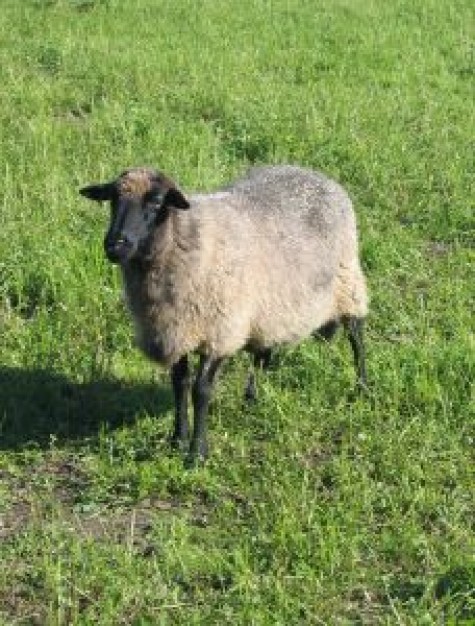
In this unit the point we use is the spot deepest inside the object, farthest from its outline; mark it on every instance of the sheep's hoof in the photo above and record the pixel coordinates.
(178, 444)
(361, 390)
(197, 455)
(250, 396)
(194, 461)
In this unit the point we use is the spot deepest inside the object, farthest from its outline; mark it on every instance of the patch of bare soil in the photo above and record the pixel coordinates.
(46, 500)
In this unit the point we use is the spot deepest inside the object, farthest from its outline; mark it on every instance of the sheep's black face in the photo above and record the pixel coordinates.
(132, 222)
(140, 200)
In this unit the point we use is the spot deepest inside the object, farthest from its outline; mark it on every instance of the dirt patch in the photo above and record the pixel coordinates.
(52, 493)
(438, 248)
(129, 526)
(33, 494)
(14, 520)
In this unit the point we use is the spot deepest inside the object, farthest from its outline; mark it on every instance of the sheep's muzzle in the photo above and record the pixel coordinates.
(117, 249)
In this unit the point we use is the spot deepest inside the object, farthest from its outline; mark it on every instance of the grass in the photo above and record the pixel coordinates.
(313, 509)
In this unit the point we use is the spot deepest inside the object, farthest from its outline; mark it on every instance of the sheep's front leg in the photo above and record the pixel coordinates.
(180, 376)
(201, 393)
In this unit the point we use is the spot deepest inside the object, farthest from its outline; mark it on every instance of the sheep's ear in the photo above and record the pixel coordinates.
(99, 193)
(174, 198)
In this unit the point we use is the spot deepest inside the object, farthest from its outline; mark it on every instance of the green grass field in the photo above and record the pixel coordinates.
(314, 508)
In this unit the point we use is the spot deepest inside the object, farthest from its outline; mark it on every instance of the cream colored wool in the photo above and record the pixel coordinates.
(268, 260)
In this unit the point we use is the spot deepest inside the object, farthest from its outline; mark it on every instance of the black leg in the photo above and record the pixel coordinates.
(250, 391)
(326, 331)
(180, 376)
(354, 326)
(261, 360)
(201, 394)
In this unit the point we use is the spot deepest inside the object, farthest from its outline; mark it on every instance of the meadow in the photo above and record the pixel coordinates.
(316, 506)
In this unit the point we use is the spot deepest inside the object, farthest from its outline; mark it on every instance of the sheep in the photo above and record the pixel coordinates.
(268, 260)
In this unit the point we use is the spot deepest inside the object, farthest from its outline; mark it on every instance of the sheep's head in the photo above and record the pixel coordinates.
(140, 200)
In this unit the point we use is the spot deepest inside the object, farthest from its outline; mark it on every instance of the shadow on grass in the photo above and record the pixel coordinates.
(36, 405)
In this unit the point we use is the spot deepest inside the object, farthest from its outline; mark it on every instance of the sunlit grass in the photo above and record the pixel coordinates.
(314, 507)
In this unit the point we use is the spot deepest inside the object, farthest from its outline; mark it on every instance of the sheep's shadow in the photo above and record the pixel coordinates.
(37, 405)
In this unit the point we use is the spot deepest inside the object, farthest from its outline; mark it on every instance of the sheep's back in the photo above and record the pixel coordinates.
(256, 263)
(304, 217)
(300, 229)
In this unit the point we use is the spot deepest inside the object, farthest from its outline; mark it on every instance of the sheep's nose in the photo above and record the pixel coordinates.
(117, 248)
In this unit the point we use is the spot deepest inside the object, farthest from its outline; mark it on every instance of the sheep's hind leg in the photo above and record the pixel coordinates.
(261, 360)
(354, 327)
(201, 394)
(180, 376)
(327, 331)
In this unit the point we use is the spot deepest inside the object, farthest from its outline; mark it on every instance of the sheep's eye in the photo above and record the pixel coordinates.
(153, 200)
